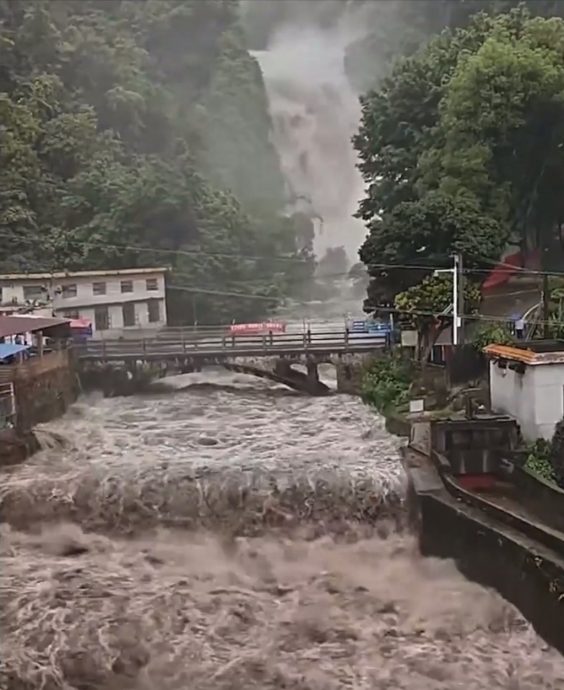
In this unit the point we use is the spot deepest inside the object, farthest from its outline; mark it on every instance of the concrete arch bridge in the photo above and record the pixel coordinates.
(273, 357)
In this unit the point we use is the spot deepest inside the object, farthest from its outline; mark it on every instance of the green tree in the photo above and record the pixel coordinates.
(416, 237)
(461, 147)
(427, 307)
(501, 135)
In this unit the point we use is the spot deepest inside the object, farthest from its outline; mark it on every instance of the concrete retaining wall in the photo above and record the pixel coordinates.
(498, 557)
(44, 389)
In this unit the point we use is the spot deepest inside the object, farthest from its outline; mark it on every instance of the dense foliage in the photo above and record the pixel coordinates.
(538, 459)
(461, 147)
(386, 382)
(492, 332)
(557, 453)
(426, 307)
(137, 133)
(402, 26)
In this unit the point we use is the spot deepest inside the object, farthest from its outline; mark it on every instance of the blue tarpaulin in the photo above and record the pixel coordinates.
(10, 349)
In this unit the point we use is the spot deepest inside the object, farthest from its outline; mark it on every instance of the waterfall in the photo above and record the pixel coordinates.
(315, 112)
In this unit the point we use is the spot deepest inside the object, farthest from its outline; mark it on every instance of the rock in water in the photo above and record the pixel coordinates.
(207, 441)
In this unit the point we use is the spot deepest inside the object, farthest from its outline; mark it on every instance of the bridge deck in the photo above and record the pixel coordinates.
(221, 347)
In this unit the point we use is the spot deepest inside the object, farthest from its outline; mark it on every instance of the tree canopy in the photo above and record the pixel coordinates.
(461, 147)
(136, 133)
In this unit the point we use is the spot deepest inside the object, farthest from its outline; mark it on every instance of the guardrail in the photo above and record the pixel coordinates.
(222, 344)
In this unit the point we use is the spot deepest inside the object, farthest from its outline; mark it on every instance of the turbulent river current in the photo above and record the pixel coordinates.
(231, 534)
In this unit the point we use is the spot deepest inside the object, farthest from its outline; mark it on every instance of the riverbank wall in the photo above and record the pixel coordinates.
(494, 554)
(42, 389)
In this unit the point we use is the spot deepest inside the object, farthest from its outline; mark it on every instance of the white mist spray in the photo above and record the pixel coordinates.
(315, 112)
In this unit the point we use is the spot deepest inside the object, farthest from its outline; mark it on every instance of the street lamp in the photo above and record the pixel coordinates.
(455, 270)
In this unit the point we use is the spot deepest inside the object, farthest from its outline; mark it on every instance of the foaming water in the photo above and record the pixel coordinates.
(173, 611)
(221, 450)
(230, 534)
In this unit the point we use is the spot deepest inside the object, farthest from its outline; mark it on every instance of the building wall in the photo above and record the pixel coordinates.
(75, 296)
(115, 318)
(535, 398)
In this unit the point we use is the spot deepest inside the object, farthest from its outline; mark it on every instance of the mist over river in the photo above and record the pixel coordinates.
(232, 534)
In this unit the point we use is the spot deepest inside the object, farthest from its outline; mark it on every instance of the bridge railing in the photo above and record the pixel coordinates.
(224, 344)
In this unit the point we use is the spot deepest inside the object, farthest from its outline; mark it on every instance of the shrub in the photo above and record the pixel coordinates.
(557, 452)
(538, 460)
(489, 333)
(385, 383)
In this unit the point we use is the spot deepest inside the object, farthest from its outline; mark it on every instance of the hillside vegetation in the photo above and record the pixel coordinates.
(136, 133)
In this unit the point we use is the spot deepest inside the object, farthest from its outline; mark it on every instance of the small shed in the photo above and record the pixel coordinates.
(527, 382)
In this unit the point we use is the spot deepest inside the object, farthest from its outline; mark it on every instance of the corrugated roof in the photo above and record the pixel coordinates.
(80, 274)
(16, 325)
(524, 355)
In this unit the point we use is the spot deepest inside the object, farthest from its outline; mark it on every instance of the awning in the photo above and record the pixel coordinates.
(10, 349)
(17, 325)
(80, 323)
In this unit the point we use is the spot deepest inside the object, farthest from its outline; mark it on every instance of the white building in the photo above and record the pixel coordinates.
(527, 382)
(113, 301)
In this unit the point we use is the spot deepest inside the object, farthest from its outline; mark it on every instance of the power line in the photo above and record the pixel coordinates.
(243, 295)
(293, 259)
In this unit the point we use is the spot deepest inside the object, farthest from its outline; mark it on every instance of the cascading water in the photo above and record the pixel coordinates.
(315, 113)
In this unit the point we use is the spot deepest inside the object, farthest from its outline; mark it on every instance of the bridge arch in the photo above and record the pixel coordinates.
(286, 375)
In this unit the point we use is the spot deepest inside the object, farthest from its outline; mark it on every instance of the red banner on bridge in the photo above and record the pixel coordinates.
(257, 328)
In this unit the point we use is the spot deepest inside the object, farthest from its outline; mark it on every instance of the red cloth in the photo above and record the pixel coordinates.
(503, 271)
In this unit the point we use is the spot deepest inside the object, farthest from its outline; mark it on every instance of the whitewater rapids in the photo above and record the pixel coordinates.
(231, 535)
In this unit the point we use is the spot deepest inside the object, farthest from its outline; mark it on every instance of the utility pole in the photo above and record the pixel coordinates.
(457, 298)
(455, 301)
(545, 305)
(458, 266)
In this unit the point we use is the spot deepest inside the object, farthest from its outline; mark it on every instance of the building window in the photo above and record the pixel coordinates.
(154, 310)
(127, 286)
(71, 314)
(69, 290)
(98, 288)
(128, 311)
(101, 319)
(34, 292)
(152, 284)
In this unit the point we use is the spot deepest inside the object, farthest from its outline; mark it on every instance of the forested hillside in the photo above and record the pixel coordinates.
(135, 133)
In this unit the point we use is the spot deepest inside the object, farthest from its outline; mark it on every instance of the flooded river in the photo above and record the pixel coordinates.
(231, 534)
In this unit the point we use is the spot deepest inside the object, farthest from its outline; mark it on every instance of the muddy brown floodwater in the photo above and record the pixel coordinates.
(236, 535)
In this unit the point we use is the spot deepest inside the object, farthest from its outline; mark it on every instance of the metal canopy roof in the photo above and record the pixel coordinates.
(9, 349)
(17, 325)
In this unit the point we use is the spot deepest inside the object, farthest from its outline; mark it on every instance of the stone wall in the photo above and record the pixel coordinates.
(44, 388)
(349, 372)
